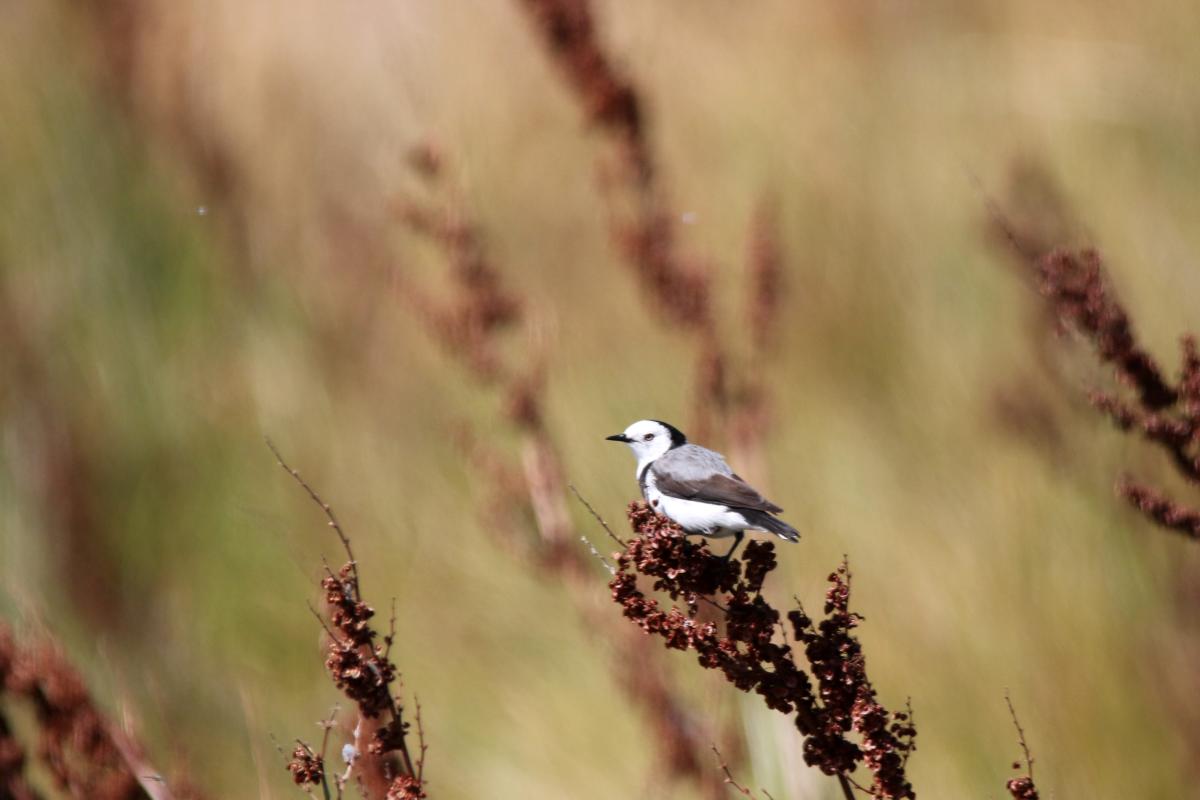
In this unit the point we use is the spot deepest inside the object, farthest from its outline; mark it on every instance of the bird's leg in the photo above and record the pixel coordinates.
(737, 539)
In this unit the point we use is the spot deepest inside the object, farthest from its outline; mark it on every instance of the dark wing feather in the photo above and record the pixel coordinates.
(725, 490)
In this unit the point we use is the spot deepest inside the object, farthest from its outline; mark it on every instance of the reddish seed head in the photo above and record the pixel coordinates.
(749, 656)
(1022, 789)
(307, 768)
(406, 787)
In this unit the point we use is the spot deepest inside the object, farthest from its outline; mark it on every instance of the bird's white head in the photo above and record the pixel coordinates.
(649, 439)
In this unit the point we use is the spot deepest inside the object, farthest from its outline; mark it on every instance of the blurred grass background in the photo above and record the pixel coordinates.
(198, 247)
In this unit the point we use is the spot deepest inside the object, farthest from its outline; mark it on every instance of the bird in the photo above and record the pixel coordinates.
(693, 486)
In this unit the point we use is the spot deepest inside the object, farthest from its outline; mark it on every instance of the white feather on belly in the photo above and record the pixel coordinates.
(706, 519)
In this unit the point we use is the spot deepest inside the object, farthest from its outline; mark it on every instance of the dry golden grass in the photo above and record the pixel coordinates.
(147, 347)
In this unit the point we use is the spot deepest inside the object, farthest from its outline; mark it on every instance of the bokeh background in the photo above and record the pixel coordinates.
(199, 246)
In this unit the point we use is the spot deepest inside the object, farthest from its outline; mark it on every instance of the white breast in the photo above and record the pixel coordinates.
(705, 519)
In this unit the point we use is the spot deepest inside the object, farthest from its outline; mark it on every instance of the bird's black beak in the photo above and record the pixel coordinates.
(618, 437)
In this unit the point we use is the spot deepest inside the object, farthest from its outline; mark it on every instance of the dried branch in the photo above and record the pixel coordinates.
(85, 753)
(1080, 298)
(1166, 415)
(308, 767)
(727, 404)
(537, 487)
(1166, 512)
(610, 101)
(596, 516)
(596, 554)
(1021, 788)
(729, 779)
(764, 276)
(420, 740)
(359, 663)
(748, 656)
(749, 403)
(729, 396)
(1074, 283)
(467, 321)
(325, 508)
(66, 469)
(12, 766)
(676, 288)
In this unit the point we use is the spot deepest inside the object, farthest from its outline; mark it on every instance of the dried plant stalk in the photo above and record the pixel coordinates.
(13, 783)
(1166, 414)
(1022, 787)
(537, 488)
(87, 756)
(829, 701)
(359, 663)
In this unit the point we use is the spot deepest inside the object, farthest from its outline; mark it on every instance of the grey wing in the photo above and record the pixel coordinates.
(692, 461)
(685, 479)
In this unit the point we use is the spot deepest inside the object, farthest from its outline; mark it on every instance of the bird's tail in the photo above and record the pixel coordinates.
(766, 522)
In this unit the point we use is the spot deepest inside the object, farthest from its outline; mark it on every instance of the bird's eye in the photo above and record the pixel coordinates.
(647, 437)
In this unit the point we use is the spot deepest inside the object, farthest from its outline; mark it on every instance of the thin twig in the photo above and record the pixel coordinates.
(327, 725)
(598, 518)
(729, 779)
(1020, 734)
(328, 631)
(325, 507)
(420, 740)
(912, 726)
(783, 633)
(391, 637)
(611, 569)
(855, 784)
(398, 716)
(324, 782)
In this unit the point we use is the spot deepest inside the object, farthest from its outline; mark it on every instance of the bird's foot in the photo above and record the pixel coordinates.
(736, 541)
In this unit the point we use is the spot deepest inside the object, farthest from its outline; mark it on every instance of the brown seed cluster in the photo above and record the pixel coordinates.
(752, 659)
(1165, 414)
(467, 320)
(75, 741)
(729, 396)
(1022, 789)
(609, 100)
(764, 272)
(1076, 286)
(679, 288)
(356, 662)
(359, 662)
(306, 766)
(12, 766)
(848, 699)
(1160, 508)
(406, 787)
